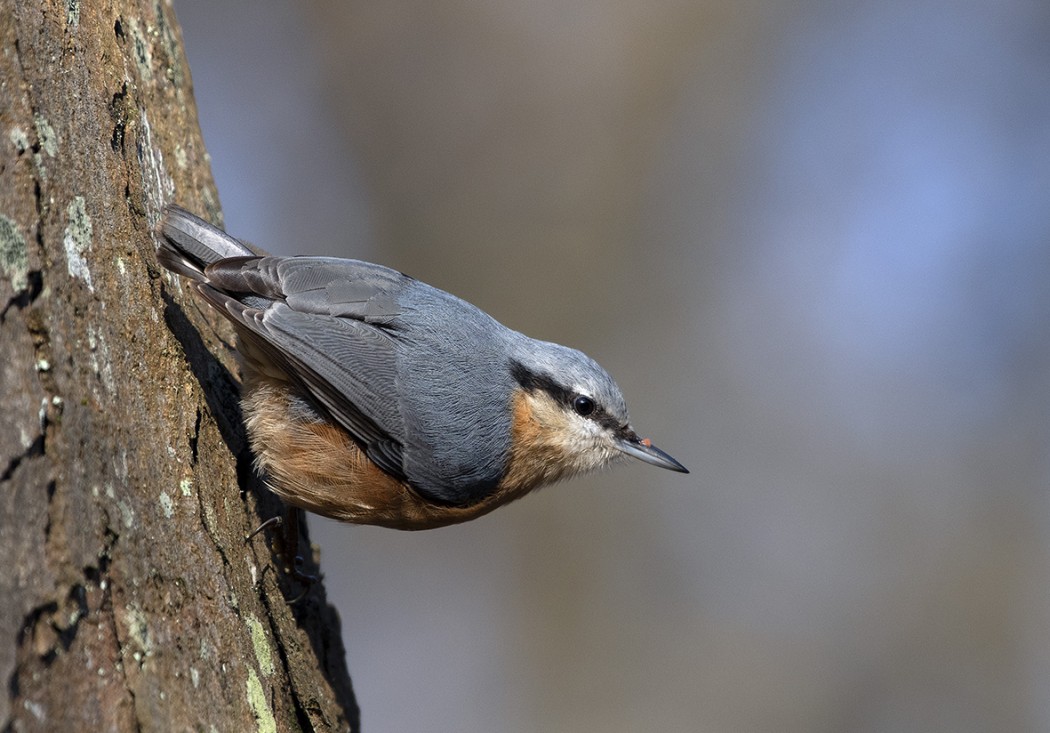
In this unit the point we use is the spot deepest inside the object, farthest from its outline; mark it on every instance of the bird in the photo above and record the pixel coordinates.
(371, 397)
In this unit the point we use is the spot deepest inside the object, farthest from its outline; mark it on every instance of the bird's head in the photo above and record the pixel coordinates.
(570, 416)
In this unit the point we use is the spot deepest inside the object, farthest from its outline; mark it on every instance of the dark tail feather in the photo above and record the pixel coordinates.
(188, 244)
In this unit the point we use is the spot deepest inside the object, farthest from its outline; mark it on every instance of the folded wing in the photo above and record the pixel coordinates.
(333, 325)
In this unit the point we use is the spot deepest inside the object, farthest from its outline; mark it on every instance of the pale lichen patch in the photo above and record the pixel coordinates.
(19, 139)
(77, 239)
(264, 720)
(261, 644)
(46, 135)
(167, 505)
(14, 255)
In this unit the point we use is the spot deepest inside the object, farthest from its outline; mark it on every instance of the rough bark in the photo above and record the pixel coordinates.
(129, 598)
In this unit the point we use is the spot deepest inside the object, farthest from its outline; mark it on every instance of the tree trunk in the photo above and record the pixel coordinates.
(129, 598)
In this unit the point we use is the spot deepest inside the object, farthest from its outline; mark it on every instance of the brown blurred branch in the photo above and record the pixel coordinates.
(129, 599)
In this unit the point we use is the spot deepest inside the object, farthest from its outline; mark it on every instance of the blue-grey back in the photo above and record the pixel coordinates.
(455, 386)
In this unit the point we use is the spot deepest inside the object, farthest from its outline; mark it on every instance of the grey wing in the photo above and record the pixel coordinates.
(332, 324)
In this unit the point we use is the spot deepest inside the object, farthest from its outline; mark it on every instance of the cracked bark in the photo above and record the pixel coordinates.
(129, 599)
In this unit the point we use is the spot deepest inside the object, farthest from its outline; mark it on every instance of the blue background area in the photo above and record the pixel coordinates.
(810, 240)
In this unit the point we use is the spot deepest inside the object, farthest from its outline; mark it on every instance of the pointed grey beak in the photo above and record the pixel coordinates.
(644, 450)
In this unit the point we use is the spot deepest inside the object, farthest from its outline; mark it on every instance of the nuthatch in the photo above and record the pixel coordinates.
(373, 398)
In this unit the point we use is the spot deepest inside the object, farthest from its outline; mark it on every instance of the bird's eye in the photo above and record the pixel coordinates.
(583, 405)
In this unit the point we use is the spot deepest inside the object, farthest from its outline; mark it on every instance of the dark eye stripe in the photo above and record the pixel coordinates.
(530, 381)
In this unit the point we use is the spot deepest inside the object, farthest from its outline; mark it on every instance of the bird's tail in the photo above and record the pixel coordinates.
(188, 244)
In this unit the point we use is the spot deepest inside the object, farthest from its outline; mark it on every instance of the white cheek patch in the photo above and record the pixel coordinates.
(583, 443)
(587, 427)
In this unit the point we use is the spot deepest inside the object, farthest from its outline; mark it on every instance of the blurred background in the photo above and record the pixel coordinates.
(810, 240)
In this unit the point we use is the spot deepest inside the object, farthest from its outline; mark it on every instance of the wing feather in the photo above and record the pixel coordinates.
(331, 324)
